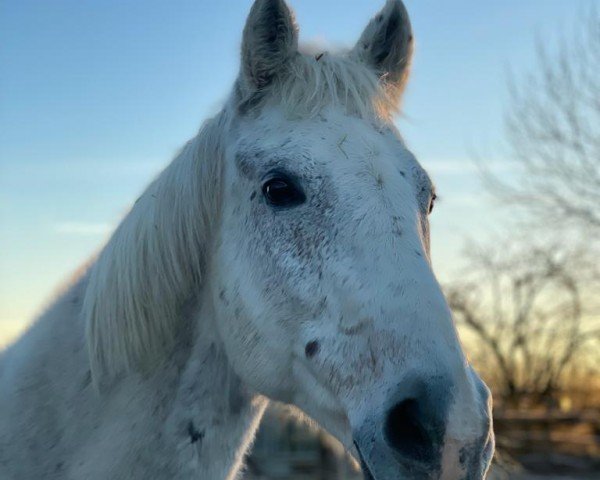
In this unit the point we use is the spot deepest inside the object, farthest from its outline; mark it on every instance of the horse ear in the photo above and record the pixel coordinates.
(386, 45)
(270, 39)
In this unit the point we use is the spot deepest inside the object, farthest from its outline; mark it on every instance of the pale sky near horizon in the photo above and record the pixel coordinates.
(96, 97)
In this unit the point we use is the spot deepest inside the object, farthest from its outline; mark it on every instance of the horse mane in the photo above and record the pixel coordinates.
(155, 260)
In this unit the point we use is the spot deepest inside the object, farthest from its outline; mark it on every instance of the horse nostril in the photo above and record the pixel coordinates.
(413, 432)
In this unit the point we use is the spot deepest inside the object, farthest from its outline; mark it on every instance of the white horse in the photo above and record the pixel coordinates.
(283, 254)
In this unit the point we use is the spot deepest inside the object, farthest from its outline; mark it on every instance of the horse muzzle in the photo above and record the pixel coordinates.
(412, 437)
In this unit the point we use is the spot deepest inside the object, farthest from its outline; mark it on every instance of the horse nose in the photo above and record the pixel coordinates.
(415, 425)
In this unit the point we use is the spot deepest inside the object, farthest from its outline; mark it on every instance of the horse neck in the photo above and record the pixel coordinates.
(213, 410)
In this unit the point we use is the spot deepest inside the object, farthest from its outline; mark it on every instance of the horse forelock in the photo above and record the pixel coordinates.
(314, 80)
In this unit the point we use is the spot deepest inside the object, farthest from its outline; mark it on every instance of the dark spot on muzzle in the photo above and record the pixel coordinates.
(311, 349)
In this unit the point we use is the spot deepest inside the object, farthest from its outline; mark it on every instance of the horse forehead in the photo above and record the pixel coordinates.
(327, 138)
(328, 130)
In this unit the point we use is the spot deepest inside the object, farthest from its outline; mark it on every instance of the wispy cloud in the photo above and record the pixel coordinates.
(82, 228)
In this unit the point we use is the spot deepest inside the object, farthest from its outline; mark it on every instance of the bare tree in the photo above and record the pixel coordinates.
(553, 136)
(524, 311)
(530, 304)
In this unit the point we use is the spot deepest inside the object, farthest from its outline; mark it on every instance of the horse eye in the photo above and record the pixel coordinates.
(282, 192)
(432, 203)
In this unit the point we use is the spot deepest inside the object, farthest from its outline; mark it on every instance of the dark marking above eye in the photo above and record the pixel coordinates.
(311, 349)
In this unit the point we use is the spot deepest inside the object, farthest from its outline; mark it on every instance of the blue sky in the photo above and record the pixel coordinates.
(96, 96)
